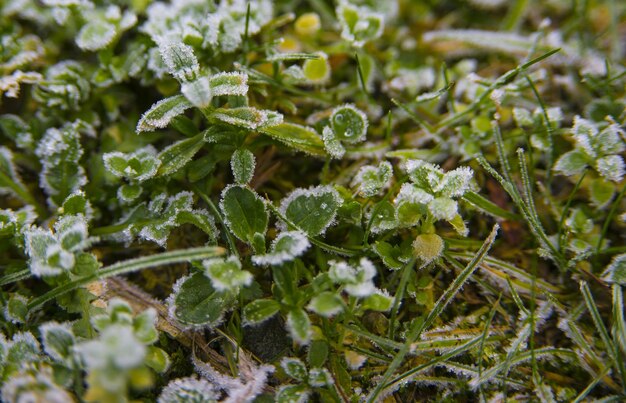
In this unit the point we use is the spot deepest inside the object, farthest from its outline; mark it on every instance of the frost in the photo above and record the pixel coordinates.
(15, 222)
(611, 167)
(7, 168)
(57, 340)
(191, 389)
(285, 248)
(244, 388)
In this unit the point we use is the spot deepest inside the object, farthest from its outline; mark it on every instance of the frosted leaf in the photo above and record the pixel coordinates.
(499, 41)
(198, 92)
(609, 141)
(15, 222)
(226, 274)
(248, 117)
(137, 166)
(357, 281)
(443, 208)
(34, 386)
(57, 340)
(611, 167)
(455, 183)
(46, 256)
(332, 144)
(299, 326)
(96, 35)
(428, 247)
(522, 117)
(571, 163)
(10, 84)
(300, 203)
(16, 309)
(371, 180)
(293, 394)
(229, 84)
(583, 131)
(7, 168)
(359, 24)
(285, 248)
(71, 231)
(187, 390)
(60, 152)
(326, 304)
(615, 272)
(244, 211)
(349, 124)
(379, 301)
(242, 164)
(354, 360)
(179, 59)
(412, 194)
(117, 348)
(161, 113)
(260, 310)
(294, 368)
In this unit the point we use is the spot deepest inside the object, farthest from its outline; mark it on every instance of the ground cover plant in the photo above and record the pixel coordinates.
(347, 201)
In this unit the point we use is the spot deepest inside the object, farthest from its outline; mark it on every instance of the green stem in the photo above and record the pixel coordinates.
(129, 266)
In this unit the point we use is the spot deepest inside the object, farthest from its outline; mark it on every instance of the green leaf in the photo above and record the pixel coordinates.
(161, 113)
(242, 164)
(378, 302)
(198, 92)
(260, 310)
(301, 138)
(311, 210)
(157, 359)
(317, 71)
(179, 154)
(370, 179)
(393, 256)
(601, 192)
(299, 325)
(244, 211)
(318, 353)
(196, 303)
(326, 304)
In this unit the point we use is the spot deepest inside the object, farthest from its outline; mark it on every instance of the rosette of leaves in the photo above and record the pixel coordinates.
(598, 147)
(360, 23)
(55, 253)
(122, 355)
(309, 381)
(155, 221)
(135, 167)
